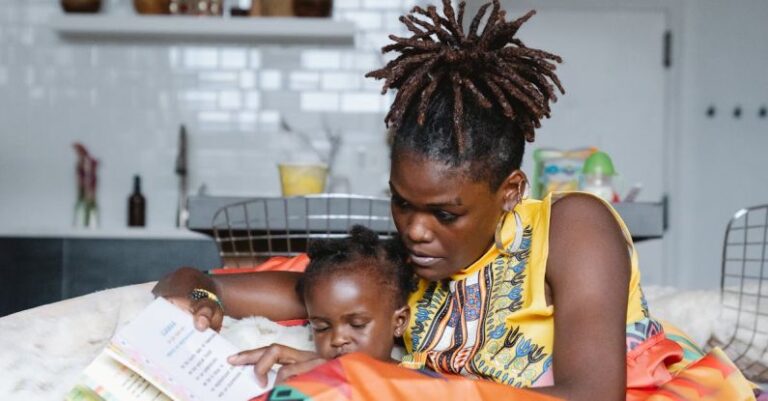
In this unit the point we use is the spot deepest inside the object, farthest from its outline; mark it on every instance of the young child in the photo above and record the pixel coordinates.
(355, 291)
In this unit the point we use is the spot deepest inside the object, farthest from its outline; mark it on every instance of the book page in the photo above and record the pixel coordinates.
(187, 364)
(109, 380)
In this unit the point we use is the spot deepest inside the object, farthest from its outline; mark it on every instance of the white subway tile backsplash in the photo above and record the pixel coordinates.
(129, 99)
(302, 80)
(174, 57)
(381, 4)
(230, 100)
(361, 102)
(35, 94)
(201, 58)
(252, 100)
(369, 61)
(247, 79)
(218, 79)
(338, 81)
(345, 5)
(234, 58)
(247, 117)
(366, 20)
(320, 59)
(319, 101)
(198, 96)
(214, 117)
(392, 21)
(271, 80)
(269, 120)
(254, 59)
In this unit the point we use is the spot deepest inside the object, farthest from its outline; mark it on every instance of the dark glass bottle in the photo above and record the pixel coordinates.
(136, 205)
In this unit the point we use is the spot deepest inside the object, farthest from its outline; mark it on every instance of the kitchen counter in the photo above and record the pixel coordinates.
(645, 220)
(98, 233)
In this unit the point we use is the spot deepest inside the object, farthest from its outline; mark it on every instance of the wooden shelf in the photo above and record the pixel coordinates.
(255, 30)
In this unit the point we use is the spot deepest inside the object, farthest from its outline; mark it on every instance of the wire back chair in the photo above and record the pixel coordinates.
(249, 232)
(744, 291)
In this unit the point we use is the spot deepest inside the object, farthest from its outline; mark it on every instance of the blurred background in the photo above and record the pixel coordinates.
(674, 91)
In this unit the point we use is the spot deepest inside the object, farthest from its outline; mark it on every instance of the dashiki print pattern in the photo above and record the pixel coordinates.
(492, 321)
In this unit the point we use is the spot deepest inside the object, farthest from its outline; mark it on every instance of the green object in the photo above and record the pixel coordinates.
(599, 163)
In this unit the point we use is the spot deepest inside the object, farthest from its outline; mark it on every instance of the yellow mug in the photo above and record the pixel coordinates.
(302, 179)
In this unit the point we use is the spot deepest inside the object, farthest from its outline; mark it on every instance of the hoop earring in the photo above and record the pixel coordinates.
(518, 235)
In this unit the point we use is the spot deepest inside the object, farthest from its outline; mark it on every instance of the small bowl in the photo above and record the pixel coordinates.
(313, 8)
(152, 6)
(81, 6)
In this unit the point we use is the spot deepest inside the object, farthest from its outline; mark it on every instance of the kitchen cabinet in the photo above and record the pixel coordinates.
(36, 269)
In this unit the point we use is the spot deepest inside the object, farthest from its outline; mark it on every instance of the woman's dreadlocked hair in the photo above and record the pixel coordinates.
(467, 96)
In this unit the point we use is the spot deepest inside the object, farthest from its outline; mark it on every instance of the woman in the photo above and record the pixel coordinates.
(528, 293)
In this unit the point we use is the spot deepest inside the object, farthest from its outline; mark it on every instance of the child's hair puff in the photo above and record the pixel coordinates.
(362, 252)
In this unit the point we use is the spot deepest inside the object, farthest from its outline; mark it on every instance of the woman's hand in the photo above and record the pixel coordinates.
(206, 313)
(177, 287)
(294, 361)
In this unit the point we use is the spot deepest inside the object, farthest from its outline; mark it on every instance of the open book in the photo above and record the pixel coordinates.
(160, 356)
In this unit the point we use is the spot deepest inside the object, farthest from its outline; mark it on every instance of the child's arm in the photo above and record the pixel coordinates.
(294, 361)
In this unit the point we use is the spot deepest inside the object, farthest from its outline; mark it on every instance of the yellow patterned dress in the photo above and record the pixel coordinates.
(492, 321)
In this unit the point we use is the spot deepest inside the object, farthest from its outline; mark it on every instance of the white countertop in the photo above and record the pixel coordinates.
(101, 233)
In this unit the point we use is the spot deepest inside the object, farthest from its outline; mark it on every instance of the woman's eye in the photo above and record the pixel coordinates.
(444, 216)
(399, 202)
(319, 329)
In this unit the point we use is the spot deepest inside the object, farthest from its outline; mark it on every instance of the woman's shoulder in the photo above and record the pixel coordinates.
(583, 212)
(583, 226)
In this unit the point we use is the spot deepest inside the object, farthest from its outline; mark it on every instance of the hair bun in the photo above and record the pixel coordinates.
(492, 67)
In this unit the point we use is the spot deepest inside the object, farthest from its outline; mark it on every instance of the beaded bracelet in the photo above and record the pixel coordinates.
(201, 293)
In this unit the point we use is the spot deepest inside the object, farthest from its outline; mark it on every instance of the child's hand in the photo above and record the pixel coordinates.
(294, 361)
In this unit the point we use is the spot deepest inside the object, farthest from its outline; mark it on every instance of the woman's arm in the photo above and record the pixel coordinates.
(588, 273)
(268, 294)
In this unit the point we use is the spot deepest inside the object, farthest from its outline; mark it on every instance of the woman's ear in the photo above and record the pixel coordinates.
(400, 320)
(512, 190)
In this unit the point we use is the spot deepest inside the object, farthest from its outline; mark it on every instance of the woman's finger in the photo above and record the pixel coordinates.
(218, 318)
(203, 312)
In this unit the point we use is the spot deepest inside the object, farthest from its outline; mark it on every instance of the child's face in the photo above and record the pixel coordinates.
(349, 313)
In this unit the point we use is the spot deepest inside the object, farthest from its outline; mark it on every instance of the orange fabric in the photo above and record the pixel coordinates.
(711, 378)
(357, 377)
(647, 364)
(276, 263)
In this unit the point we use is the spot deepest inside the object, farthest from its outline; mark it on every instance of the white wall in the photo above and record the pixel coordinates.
(722, 160)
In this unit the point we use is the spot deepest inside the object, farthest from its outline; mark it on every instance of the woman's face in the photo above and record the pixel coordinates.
(445, 219)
